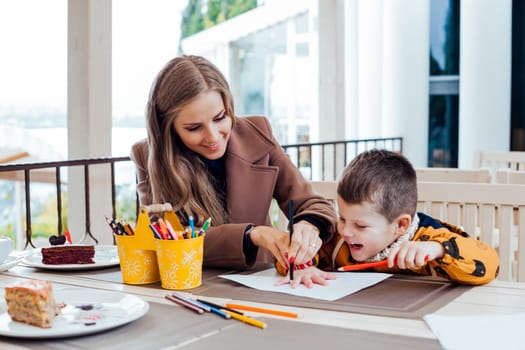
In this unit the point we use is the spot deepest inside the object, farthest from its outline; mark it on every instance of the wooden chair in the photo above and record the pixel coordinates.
(510, 176)
(498, 160)
(453, 175)
(327, 189)
(492, 213)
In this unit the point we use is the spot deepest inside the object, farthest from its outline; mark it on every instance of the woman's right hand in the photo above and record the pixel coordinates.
(276, 241)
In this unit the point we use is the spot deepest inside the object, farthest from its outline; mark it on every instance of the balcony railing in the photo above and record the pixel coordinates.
(317, 161)
(324, 161)
(24, 171)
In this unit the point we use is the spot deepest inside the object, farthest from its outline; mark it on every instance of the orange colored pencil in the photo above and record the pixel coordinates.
(263, 311)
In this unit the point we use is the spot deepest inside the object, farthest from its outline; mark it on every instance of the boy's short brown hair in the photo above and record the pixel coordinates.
(385, 178)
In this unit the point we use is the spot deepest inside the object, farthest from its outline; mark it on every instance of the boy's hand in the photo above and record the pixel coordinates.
(308, 277)
(414, 254)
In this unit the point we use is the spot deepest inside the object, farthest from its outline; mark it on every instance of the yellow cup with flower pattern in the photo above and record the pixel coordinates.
(180, 262)
(138, 266)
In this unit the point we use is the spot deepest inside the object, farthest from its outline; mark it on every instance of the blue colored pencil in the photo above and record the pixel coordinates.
(192, 226)
(155, 232)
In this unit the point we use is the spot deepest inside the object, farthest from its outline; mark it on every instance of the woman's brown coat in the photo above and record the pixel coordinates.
(257, 171)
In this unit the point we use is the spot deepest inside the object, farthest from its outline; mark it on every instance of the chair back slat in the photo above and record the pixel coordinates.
(510, 176)
(453, 175)
(498, 160)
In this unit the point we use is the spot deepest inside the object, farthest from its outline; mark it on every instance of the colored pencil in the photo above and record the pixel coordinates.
(219, 312)
(185, 304)
(163, 229)
(171, 231)
(129, 229)
(290, 223)
(191, 301)
(205, 307)
(112, 224)
(220, 307)
(246, 319)
(262, 310)
(192, 226)
(207, 224)
(365, 266)
(156, 234)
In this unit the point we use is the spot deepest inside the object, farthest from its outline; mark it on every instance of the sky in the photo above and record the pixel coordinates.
(33, 59)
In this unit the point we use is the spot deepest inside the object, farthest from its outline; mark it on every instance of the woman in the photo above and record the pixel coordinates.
(207, 162)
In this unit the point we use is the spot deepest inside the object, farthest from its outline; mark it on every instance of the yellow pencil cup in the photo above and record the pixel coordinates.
(138, 266)
(180, 262)
(137, 254)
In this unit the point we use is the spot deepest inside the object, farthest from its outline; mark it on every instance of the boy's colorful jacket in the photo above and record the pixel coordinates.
(466, 260)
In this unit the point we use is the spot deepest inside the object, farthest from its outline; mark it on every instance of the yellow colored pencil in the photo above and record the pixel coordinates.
(246, 319)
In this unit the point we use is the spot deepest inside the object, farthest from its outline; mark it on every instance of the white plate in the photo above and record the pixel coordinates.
(9, 263)
(105, 256)
(109, 310)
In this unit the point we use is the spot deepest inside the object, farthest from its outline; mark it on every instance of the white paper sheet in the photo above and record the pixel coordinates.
(482, 331)
(345, 284)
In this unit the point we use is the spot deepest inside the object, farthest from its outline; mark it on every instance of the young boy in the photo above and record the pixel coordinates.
(377, 198)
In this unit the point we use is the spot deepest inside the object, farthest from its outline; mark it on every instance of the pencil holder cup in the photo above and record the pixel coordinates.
(137, 253)
(180, 262)
(138, 266)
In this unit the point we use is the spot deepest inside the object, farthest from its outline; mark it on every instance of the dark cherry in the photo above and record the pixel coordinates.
(57, 240)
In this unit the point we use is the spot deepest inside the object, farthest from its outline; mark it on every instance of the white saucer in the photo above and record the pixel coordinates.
(107, 310)
(105, 256)
(9, 263)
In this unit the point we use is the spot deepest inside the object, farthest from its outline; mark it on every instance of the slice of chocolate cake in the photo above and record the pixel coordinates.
(68, 254)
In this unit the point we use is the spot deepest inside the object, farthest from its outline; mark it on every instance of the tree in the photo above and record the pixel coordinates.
(199, 15)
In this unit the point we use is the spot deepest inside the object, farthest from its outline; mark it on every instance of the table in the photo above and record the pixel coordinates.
(314, 329)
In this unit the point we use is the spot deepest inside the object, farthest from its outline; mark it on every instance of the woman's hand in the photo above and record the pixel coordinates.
(303, 247)
(414, 254)
(308, 277)
(305, 242)
(276, 241)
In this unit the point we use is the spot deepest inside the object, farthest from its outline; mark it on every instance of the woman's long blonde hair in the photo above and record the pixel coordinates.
(177, 174)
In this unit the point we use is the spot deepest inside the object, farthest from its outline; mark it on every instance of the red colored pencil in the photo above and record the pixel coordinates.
(363, 266)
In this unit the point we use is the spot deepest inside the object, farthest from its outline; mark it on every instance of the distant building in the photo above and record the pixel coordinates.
(331, 70)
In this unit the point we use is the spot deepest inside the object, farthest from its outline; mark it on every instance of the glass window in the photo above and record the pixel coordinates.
(269, 77)
(518, 77)
(444, 37)
(33, 105)
(444, 84)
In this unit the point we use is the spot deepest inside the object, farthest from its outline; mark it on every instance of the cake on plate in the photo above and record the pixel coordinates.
(32, 302)
(68, 254)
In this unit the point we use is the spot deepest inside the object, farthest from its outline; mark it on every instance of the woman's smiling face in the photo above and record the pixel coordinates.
(203, 126)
